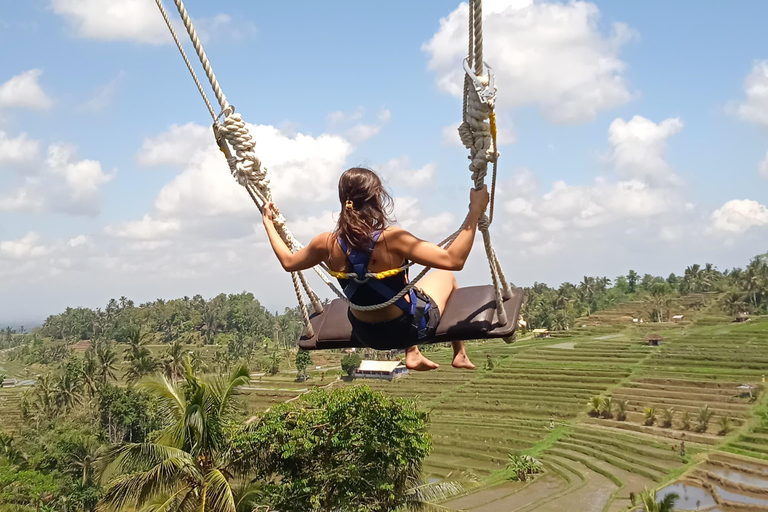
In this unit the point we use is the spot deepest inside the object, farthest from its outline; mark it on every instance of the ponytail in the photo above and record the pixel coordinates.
(366, 207)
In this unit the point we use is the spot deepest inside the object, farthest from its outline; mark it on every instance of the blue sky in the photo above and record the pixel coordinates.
(634, 136)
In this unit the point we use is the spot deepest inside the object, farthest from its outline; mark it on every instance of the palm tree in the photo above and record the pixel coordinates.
(650, 415)
(667, 504)
(141, 367)
(190, 466)
(106, 358)
(685, 420)
(667, 416)
(606, 407)
(621, 409)
(67, 391)
(11, 455)
(595, 404)
(173, 364)
(84, 459)
(586, 291)
(632, 278)
(702, 418)
(90, 372)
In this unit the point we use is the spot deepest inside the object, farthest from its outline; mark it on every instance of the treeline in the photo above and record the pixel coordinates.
(742, 290)
(191, 320)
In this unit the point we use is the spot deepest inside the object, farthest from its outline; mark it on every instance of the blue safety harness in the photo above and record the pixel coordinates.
(419, 304)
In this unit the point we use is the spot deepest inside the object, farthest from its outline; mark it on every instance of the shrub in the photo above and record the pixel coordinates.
(724, 425)
(621, 410)
(702, 419)
(667, 417)
(685, 420)
(522, 466)
(650, 415)
(595, 403)
(606, 408)
(489, 364)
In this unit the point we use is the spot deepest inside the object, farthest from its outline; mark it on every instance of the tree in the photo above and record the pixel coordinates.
(667, 504)
(351, 449)
(632, 278)
(303, 360)
(724, 425)
(667, 416)
(522, 466)
(350, 363)
(702, 418)
(621, 409)
(106, 359)
(661, 300)
(649, 414)
(84, 459)
(595, 404)
(274, 362)
(606, 407)
(685, 420)
(191, 465)
(173, 363)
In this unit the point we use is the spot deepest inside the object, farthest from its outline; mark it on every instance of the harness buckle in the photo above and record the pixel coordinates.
(486, 93)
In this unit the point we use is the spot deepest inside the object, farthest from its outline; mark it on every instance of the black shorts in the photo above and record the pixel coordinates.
(400, 332)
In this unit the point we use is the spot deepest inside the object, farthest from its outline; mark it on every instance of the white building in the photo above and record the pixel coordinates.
(386, 370)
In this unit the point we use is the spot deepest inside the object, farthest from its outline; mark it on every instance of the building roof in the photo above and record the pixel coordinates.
(539, 331)
(654, 337)
(678, 317)
(379, 366)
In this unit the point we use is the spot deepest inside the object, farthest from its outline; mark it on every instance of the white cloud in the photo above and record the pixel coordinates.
(350, 126)
(24, 91)
(640, 146)
(80, 241)
(145, 229)
(548, 54)
(223, 27)
(300, 168)
(18, 150)
(61, 183)
(738, 216)
(116, 20)
(400, 172)
(755, 108)
(430, 227)
(26, 247)
(176, 147)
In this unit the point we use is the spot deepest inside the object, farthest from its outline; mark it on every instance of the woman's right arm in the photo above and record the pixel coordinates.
(407, 246)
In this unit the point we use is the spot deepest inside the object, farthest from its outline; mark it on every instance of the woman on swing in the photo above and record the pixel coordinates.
(365, 241)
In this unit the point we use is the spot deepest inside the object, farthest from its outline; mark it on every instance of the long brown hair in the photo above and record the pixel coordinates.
(366, 207)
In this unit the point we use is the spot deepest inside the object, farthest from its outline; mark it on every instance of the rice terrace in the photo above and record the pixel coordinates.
(603, 412)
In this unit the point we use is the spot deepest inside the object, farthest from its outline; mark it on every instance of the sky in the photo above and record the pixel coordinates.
(632, 135)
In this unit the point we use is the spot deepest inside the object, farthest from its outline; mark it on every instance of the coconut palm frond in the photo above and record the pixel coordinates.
(169, 394)
(668, 503)
(141, 488)
(140, 457)
(167, 503)
(218, 495)
(224, 390)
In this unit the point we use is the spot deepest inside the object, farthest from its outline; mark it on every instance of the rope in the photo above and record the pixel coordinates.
(477, 132)
(184, 56)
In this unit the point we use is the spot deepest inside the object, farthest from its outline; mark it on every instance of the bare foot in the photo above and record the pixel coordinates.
(461, 360)
(415, 360)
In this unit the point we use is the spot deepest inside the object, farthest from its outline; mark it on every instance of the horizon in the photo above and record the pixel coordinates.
(628, 140)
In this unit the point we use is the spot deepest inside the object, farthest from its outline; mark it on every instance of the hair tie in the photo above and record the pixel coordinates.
(349, 205)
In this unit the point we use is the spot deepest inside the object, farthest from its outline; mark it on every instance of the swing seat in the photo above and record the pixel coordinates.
(470, 314)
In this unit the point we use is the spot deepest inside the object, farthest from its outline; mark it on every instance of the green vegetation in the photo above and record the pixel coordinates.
(577, 402)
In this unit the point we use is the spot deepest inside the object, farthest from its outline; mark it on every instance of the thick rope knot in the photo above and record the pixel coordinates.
(484, 224)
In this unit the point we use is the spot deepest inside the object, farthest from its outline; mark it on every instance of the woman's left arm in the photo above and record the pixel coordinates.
(313, 254)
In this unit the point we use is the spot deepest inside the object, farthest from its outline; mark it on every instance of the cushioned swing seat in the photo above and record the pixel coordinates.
(470, 314)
